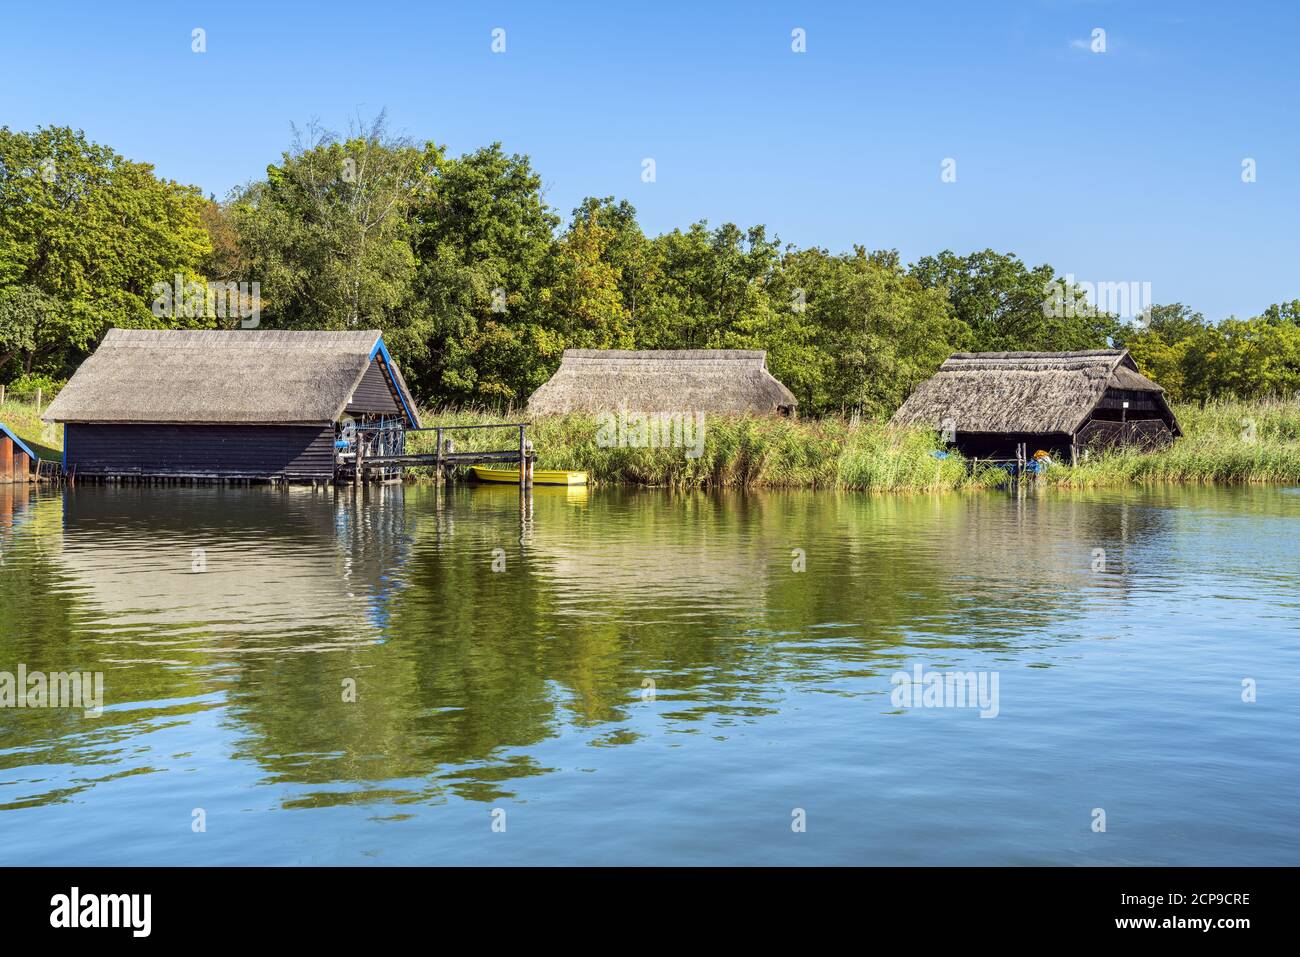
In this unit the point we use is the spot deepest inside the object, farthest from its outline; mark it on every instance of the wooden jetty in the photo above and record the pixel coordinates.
(374, 460)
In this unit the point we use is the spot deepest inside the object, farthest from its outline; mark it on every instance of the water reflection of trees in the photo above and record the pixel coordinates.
(461, 671)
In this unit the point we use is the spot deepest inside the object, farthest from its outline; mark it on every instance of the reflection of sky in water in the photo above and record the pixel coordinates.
(527, 688)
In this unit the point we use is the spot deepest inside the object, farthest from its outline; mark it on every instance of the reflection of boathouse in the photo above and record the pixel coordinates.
(302, 565)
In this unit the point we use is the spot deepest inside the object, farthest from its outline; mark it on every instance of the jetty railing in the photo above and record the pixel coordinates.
(445, 456)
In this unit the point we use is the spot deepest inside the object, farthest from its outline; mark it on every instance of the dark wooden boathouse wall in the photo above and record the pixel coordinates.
(1145, 434)
(1141, 405)
(375, 395)
(1002, 445)
(295, 452)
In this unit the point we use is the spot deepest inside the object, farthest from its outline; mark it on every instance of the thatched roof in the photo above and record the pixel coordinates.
(1035, 392)
(151, 375)
(667, 380)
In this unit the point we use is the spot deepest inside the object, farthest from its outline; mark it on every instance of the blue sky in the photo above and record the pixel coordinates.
(1122, 166)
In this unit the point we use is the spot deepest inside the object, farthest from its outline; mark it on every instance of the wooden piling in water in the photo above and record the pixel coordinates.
(523, 457)
(6, 458)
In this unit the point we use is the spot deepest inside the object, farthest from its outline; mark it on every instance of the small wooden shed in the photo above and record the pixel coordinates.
(988, 403)
(237, 404)
(663, 380)
(17, 461)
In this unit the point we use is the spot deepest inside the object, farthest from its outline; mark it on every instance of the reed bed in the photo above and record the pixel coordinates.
(741, 451)
(1224, 442)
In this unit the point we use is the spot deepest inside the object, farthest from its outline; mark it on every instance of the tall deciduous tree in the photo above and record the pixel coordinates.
(484, 235)
(583, 298)
(327, 233)
(886, 331)
(1009, 307)
(91, 232)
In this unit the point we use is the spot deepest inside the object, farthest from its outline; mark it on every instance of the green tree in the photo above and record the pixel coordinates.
(1160, 346)
(885, 331)
(327, 234)
(627, 249)
(1246, 359)
(1009, 307)
(483, 239)
(582, 299)
(1283, 312)
(92, 232)
(702, 284)
(783, 319)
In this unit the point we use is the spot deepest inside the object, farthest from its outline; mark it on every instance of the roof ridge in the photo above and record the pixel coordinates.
(665, 354)
(1076, 354)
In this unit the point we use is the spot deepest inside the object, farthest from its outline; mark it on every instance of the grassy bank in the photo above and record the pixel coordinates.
(45, 441)
(1225, 442)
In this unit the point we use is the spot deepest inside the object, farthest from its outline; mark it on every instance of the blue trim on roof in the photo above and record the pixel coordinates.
(17, 441)
(382, 350)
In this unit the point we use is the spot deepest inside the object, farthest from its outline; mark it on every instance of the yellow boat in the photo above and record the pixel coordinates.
(540, 476)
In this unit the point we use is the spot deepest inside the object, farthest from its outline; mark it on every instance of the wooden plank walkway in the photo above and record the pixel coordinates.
(443, 457)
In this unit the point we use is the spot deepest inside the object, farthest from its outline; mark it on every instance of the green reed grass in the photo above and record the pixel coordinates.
(1223, 442)
(739, 452)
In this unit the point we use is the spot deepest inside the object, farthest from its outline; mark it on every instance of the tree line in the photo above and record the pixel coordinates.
(479, 285)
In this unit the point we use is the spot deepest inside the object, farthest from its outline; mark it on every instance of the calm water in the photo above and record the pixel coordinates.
(638, 677)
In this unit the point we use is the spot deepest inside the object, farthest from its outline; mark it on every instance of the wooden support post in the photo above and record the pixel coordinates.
(6, 458)
(523, 461)
(1074, 454)
(22, 465)
(361, 455)
(437, 456)
(38, 403)
(2, 393)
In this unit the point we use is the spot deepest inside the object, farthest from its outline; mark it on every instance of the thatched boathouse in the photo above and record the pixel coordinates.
(665, 380)
(988, 403)
(240, 404)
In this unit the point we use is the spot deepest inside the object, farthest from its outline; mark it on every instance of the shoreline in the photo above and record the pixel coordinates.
(1224, 443)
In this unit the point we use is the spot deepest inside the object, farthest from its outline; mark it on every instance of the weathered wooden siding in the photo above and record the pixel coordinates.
(375, 395)
(224, 451)
(1002, 445)
(1146, 434)
(1141, 405)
